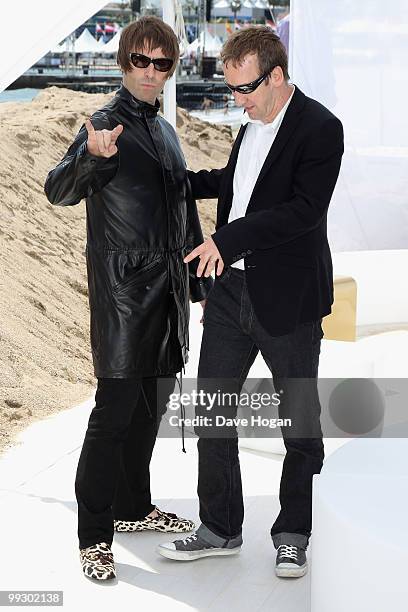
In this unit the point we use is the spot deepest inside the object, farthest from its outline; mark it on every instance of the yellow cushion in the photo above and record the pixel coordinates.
(341, 323)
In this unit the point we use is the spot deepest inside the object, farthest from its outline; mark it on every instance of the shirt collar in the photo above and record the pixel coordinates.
(273, 125)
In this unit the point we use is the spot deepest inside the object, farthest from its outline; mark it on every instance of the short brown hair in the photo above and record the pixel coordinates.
(151, 32)
(258, 40)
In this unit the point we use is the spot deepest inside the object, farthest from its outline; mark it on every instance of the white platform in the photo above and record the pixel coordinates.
(360, 536)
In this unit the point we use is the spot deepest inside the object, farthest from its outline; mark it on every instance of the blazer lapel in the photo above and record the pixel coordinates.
(286, 129)
(225, 199)
(235, 149)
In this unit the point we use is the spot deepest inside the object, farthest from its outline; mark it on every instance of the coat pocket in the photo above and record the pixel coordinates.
(139, 276)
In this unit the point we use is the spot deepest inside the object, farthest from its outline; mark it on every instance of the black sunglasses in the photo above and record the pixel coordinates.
(247, 87)
(162, 64)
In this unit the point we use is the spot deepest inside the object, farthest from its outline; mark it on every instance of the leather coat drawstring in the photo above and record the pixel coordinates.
(146, 402)
(182, 408)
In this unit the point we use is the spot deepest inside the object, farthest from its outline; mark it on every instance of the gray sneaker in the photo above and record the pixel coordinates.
(290, 561)
(194, 547)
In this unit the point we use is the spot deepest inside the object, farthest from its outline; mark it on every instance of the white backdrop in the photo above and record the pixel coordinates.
(353, 57)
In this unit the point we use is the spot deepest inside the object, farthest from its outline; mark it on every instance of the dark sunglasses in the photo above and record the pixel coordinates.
(247, 87)
(162, 64)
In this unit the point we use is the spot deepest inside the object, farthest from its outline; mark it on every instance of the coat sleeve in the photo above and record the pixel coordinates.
(199, 287)
(314, 180)
(80, 174)
(205, 183)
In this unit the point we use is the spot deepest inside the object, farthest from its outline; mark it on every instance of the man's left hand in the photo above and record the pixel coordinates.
(210, 258)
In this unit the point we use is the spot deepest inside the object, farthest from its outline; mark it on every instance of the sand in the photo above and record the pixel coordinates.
(45, 358)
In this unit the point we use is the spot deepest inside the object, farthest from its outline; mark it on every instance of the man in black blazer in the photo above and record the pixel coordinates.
(273, 286)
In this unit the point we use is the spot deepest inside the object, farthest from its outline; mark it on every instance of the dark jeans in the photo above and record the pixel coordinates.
(232, 337)
(113, 478)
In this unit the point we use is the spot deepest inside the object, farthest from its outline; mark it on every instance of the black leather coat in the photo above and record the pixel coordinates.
(141, 222)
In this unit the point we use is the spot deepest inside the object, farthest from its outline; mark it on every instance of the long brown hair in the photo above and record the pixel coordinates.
(151, 32)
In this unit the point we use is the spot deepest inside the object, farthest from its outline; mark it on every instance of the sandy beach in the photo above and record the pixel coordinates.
(45, 356)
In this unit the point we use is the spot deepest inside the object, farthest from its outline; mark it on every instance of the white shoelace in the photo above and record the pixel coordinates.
(288, 551)
(189, 539)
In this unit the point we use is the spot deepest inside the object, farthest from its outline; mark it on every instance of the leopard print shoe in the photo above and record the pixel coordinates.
(164, 521)
(97, 562)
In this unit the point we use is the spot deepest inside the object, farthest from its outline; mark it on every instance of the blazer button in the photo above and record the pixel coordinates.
(148, 287)
(249, 252)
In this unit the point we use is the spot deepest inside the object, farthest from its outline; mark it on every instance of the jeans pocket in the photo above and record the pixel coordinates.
(225, 275)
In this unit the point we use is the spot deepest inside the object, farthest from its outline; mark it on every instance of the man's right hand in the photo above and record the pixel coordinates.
(102, 143)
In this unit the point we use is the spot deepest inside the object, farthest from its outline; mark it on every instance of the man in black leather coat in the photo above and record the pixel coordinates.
(141, 222)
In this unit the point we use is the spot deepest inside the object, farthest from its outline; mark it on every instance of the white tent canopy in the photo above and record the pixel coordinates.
(113, 45)
(86, 43)
(212, 44)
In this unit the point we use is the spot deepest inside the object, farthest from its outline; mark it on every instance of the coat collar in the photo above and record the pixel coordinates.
(139, 107)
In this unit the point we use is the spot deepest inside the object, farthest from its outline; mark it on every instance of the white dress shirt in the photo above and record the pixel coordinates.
(255, 146)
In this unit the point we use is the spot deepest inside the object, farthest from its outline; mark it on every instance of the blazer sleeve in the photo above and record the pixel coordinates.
(80, 174)
(206, 183)
(314, 180)
(199, 287)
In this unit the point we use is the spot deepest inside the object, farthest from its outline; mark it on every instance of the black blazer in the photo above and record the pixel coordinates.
(283, 236)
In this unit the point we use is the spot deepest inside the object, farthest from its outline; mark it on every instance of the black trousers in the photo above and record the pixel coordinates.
(113, 477)
(232, 338)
